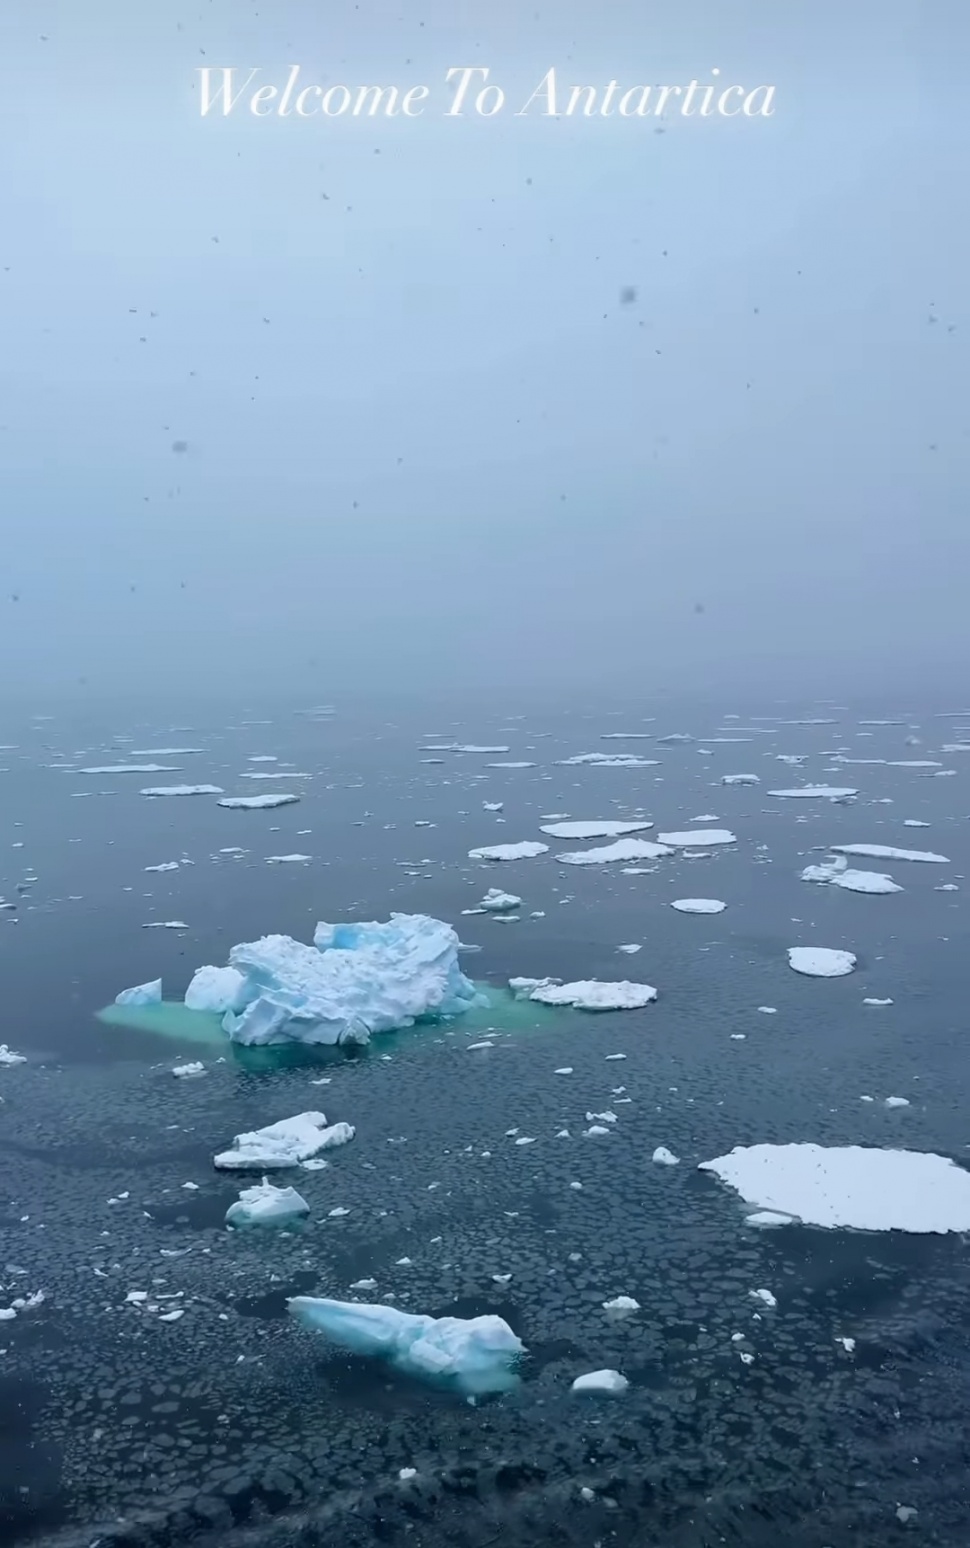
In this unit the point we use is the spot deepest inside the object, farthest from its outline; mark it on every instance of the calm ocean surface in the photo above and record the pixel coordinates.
(230, 1425)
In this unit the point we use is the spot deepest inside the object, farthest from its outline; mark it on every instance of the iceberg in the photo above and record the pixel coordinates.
(264, 1205)
(477, 1355)
(8, 1058)
(852, 1187)
(141, 994)
(283, 1144)
(354, 981)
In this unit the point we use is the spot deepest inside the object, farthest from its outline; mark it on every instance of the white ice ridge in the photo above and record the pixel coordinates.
(354, 981)
(852, 1186)
(887, 852)
(527, 850)
(264, 1205)
(698, 905)
(587, 994)
(591, 830)
(820, 961)
(624, 849)
(829, 792)
(477, 1355)
(283, 1144)
(698, 838)
(836, 874)
(141, 994)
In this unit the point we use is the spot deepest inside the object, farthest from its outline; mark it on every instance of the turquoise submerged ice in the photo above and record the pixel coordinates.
(354, 981)
(475, 1355)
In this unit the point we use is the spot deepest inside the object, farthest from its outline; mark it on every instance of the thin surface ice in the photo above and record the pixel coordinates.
(852, 1186)
(476, 1355)
(141, 994)
(624, 849)
(283, 1144)
(887, 852)
(592, 995)
(257, 803)
(698, 838)
(265, 1205)
(698, 905)
(820, 961)
(527, 850)
(354, 981)
(591, 830)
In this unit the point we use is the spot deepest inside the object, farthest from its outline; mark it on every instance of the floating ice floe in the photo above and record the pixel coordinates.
(887, 852)
(163, 752)
(264, 1205)
(283, 1144)
(698, 905)
(676, 736)
(625, 736)
(141, 994)
(257, 803)
(591, 830)
(165, 924)
(587, 994)
(623, 850)
(608, 1383)
(476, 1355)
(740, 779)
(287, 859)
(698, 838)
(664, 1157)
(527, 850)
(510, 765)
(182, 790)
(870, 1000)
(354, 981)
(851, 1186)
(469, 747)
(276, 774)
(497, 902)
(820, 961)
(132, 768)
(492, 806)
(810, 792)
(836, 874)
(608, 761)
(8, 1058)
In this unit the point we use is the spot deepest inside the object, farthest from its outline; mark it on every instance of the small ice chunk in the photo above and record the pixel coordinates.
(665, 1157)
(567, 1069)
(8, 1058)
(492, 806)
(591, 830)
(405, 1474)
(768, 1010)
(477, 1355)
(621, 1303)
(608, 761)
(287, 859)
(820, 961)
(166, 865)
(264, 1205)
(629, 949)
(258, 803)
(141, 994)
(740, 779)
(496, 901)
(850, 1187)
(897, 1101)
(591, 995)
(848, 1344)
(283, 1144)
(182, 790)
(697, 838)
(605, 1382)
(765, 1296)
(766, 1219)
(871, 1001)
(698, 905)
(183, 1070)
(526, 850)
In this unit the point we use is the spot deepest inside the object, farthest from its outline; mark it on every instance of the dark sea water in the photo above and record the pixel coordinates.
(230, 1425)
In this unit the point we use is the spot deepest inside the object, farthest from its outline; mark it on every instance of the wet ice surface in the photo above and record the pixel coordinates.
(161, 1378)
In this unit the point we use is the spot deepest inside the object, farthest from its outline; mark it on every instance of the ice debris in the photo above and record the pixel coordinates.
(141, 994)
(820, 961)
(265, 1205)
(283, 1144)
(850, 1186)
(477, 1355)
(354, 981)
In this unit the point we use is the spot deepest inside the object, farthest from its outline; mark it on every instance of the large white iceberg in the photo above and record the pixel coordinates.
(849, 1186)
(265, 1205)
(283, 1144)
(477, 1355)
(354, 981)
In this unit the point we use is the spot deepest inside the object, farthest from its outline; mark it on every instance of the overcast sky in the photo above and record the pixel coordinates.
(427, 438)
